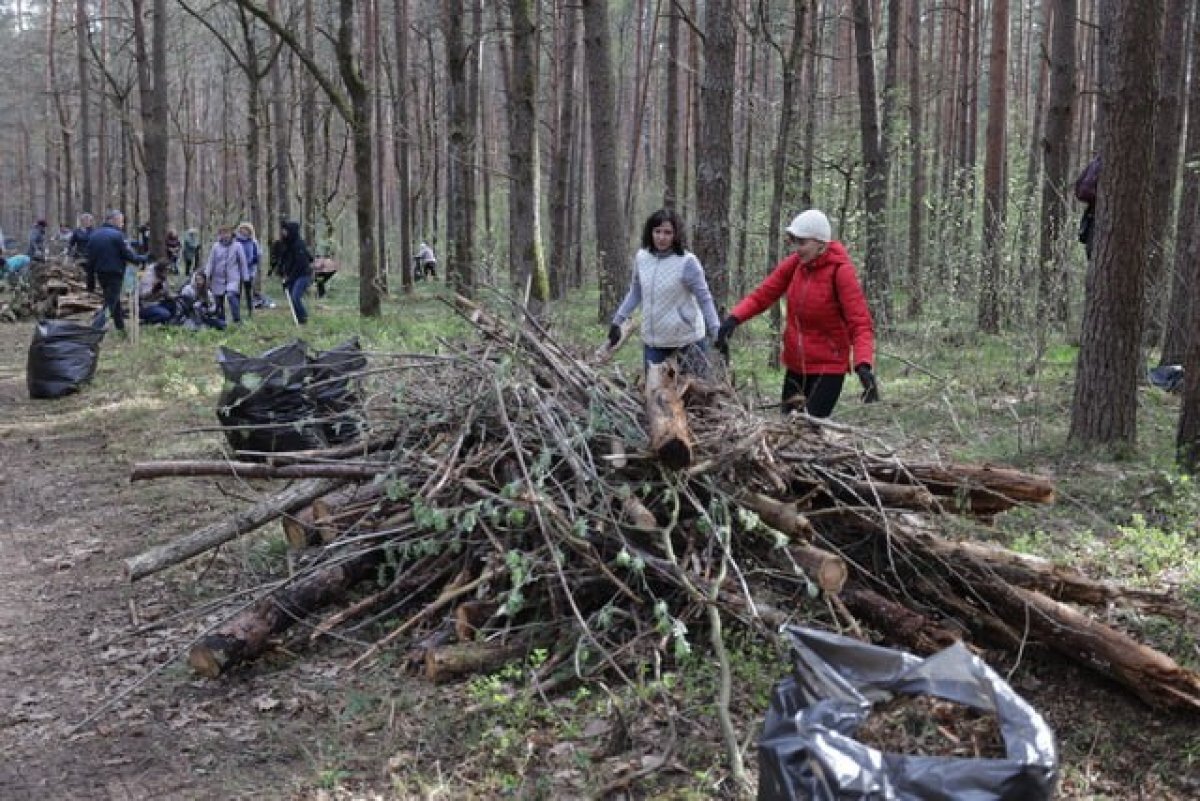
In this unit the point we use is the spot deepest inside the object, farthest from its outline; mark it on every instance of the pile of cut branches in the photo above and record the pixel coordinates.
(50, 289)
(514, 495)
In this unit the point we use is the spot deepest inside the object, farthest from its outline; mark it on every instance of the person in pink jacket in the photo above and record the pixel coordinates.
(829, 326)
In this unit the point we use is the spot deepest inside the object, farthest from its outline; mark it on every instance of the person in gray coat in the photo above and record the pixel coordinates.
(226, 271)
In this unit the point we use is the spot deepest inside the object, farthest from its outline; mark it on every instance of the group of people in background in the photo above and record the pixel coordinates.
(828, 329)
(215, 287)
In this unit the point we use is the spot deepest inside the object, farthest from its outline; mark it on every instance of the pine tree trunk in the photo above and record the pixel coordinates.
(1104, 406)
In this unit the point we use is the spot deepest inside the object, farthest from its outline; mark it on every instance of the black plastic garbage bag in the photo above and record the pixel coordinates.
(334, 390)
(1168, 377)
(62, 356)
(265, 405)
(808, 751)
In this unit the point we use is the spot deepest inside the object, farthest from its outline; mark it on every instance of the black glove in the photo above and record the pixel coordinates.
(722, 346)
(870, 393)
(724, 332)
(614, 335)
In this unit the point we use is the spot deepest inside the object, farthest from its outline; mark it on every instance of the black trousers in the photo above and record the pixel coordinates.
(815, 393)
(110, 285)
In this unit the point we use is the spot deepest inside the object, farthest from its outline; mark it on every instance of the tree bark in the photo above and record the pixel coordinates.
(527, 258)
(1104, 404)
(362, 132)
(84, 140)
(1184, 289)
(1056, 154)
(994, 175)
(714, 152)
(916, 137)
(875, 170)
(611, 235)
(460, 218)
(1171, 88)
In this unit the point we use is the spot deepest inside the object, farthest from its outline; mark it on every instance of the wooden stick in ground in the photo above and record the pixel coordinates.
(288, 501)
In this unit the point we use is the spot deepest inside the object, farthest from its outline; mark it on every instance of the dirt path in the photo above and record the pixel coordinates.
(68, 635)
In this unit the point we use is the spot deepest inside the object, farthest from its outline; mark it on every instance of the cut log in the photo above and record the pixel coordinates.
(980, 490)
(784, 516)
(670, 436)
(901, 625)
(891, 496)
(605, 352)
(328, 518)
(827, 570)
(248, 635)
(635, 513)
(172, 553)
(299, 530)
(470, 616)
(449, 661)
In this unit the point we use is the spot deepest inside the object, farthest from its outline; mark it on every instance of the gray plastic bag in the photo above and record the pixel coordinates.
(808, 751)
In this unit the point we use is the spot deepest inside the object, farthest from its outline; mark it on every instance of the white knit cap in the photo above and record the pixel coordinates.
(810, 224)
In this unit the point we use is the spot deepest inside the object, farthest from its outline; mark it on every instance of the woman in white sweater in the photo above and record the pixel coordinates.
(678, 315)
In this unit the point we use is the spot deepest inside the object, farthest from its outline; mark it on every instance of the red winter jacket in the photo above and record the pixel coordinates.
(823, 321)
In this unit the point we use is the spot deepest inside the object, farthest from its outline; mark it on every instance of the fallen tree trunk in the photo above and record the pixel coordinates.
(1059, 582)
(172, 553)
(248, 635)
(1153, 676)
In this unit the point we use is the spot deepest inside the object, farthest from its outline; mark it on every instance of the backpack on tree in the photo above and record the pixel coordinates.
(1085, 184)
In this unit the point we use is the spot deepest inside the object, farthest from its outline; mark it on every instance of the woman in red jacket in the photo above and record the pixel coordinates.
(827, 318)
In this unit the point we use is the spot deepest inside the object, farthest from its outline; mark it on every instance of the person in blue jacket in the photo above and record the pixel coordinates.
(244, 236)
(107, 255)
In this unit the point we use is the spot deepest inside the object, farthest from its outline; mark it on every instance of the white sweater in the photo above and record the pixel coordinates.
(677, 306)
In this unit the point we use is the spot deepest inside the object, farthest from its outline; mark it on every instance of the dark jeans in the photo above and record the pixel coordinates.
(89, 273)
(110, 285)
(296, 290)
(156, 313)
(248, 291)
(692, 359)
(235, 305)
(816, 394)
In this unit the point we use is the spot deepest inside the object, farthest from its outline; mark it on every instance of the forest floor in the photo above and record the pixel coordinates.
(96, 701)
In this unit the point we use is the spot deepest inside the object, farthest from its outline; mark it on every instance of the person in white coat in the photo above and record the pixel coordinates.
(226, 271)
